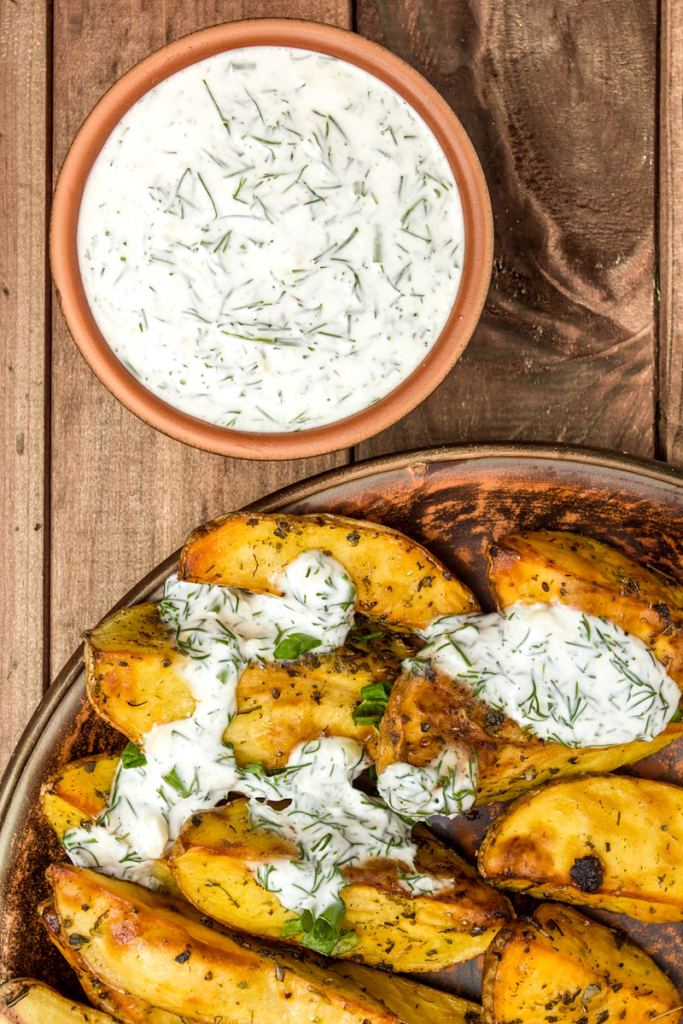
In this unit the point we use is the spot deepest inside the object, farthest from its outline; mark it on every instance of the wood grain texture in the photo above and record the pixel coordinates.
(23, 199)
(671, 232)
(559, 98)
(124, 496)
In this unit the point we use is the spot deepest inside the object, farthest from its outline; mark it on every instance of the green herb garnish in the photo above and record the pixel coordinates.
(175, 782)
(324, 933)
(373, 705)
(132, 756)
(294, 645)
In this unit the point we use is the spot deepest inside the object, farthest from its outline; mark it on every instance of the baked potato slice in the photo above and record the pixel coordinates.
(77, 795)
(135, 681)
(397, 581)
(214, 856)
(600, 840)
(120, 1004)
(412, 1002)
(564, 967)
(27, 1001)
(428, 711)
(134, 672)
(553, 566)
(159, 951)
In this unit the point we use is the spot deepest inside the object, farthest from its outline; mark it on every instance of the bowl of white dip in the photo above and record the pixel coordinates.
(271, 239)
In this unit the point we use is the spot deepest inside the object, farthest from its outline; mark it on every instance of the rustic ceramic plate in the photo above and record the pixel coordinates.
(453, 500)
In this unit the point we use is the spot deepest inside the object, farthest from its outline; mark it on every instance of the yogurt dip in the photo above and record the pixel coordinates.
(271, 239)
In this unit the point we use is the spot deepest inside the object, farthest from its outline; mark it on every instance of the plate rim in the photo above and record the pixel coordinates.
(635, 465)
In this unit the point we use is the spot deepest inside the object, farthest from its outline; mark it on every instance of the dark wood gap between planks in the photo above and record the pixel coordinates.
(47, 442)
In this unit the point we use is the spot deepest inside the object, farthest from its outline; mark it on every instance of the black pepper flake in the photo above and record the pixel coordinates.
(586, 873)
(77, 940)
(353, 538)
(182, 958)
(426, 581)
(545, 587)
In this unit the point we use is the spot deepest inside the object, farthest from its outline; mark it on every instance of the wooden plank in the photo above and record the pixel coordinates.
(671, 232)
(124, 496)
(559, 99)
(23, 200)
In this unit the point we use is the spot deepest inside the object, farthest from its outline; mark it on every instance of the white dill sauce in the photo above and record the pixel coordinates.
(568, 677)
(271, 239)
(572, 678)
(187, 766)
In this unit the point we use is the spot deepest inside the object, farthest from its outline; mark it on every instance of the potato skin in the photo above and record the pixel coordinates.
(550, 566)
(429, 711)
(563, 967)
(398, 582)
(600, 840)
(159, 951)
(211, 863)
(27, 1001)
(412, 1002)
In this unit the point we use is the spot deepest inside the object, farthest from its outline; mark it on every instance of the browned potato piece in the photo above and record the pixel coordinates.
(158, 951)
(132, 672)
(427, 712)
(552, 566)
(412, 1002)
(211, 862)
(134, 681)
(79, 793)
(601, 840)
(397, 581)
(120, 1004)
(26, 1001)
(564, 967)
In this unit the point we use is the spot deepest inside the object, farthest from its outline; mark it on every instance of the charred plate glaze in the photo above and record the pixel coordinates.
(451, 499)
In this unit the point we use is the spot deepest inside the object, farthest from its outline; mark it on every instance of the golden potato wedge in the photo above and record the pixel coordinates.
(134, 681)
(79, 793)
(412, 1002)
(552, 566)
(212, 860)
(397, 581)
(27, 1001)
(598, 840)
(120, 1004)
(133, 672)
(159, 951)
(427, 712)
(564, 967)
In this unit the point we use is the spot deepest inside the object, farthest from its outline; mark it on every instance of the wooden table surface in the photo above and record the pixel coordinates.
(574, 107)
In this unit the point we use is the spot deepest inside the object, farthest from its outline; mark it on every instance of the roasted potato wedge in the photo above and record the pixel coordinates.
(427, 712)
(26, 1001)
(120, 1004)
(600, 840)
(397, 581)
(134, 681)
(212, 860)
(412, 1002)
(552, 566)
(158, 951)
(134, 672)
(79, 793)
(562, 966)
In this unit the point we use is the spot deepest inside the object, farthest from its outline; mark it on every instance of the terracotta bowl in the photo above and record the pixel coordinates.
(476, 214)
